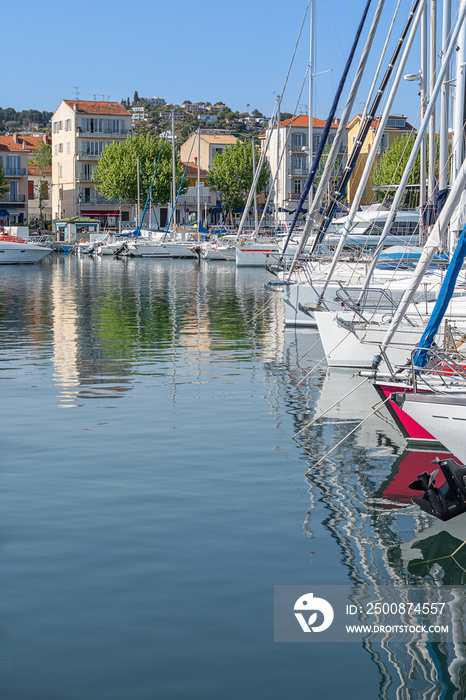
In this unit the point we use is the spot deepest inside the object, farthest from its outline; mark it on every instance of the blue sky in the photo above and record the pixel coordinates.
(238, 53)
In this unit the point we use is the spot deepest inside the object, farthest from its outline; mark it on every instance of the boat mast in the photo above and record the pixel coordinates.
(433, 61)
(256, 218)
(138, 208)
(413, 25)
(311, 85)
(173, 165)
(423, 148)
(278, 170)
(198, 181)
(415, 150)
(314, 218)
(443, 128)
(458, 116)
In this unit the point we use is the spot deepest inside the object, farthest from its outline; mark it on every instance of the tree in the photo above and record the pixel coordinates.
(43, 161)
(4, 183)
(393, 162)
(232, 175)
(116, 173)
(136, 97)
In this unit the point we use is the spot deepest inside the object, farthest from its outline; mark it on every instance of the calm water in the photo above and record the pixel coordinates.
(151, 494)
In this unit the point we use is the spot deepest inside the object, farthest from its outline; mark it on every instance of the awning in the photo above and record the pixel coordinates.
(215, 210)
(4, 212)
(89, 212)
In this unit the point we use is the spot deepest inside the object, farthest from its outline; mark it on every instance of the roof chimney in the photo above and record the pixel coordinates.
(15, 137)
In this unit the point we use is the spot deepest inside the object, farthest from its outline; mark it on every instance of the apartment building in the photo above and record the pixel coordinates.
(202, 147)
(80, 131)
(13, 205)
(396, 126)
(16, 150)
(212, 142)
(288, 152)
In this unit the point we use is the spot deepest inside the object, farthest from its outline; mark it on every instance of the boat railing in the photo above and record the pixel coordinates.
(446, 366)
(375, 300)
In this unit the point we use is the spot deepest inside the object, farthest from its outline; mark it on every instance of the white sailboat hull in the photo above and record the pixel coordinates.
(443, 416)
(256, 253)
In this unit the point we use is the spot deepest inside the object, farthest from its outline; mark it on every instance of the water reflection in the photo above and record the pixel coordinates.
(110, 321)
(361, 496)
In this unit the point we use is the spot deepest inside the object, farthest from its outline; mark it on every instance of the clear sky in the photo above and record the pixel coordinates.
(238, 53)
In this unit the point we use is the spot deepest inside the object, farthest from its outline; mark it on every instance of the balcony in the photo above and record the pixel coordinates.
(97, 199)
(294, 197)
(192, 199)
(84, 177)
(14, 198)
(15, 172)
(298, 172)
(114, 134)
(297, 148)
(82, 155)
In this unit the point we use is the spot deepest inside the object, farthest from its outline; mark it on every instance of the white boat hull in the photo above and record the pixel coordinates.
(443, 416)
(13, 253)
(256, 254)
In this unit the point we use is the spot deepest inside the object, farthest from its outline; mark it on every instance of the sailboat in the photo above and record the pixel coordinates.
(302, 291)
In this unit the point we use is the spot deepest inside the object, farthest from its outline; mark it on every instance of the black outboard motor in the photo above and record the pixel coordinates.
(121, 250)
(447, 501)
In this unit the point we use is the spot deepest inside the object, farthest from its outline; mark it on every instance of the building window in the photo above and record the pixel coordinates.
(397, 123)
(68, 147)
(13, 191)
(297, 186)
(55, 150)
(44, 190)
(60, 148)
(60, 171)
(93, 148)
(30, 189)
(298, 140)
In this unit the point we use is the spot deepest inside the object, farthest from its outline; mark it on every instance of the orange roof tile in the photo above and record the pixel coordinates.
(302, 120)
(191, 169)
(14, 142)
(376, 122)
(94, 107)
(34, 170)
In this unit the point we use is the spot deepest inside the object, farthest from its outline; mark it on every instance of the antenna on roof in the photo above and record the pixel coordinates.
(75, 87)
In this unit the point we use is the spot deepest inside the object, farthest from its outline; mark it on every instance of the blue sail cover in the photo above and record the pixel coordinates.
(328, 124)
(443, 299)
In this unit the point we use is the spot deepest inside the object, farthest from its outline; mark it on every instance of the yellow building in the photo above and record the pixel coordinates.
(396, 126)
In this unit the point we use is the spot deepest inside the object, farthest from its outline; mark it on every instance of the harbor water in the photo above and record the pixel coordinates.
(152, 494)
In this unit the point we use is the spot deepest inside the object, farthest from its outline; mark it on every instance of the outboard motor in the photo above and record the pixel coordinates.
(122, 249)
(447, 501)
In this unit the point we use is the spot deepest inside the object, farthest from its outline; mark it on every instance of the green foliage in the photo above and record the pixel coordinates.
(42, 160)
(393, 162)
(232, 174)
(12, 120)
(4, 183)
(116, 172)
